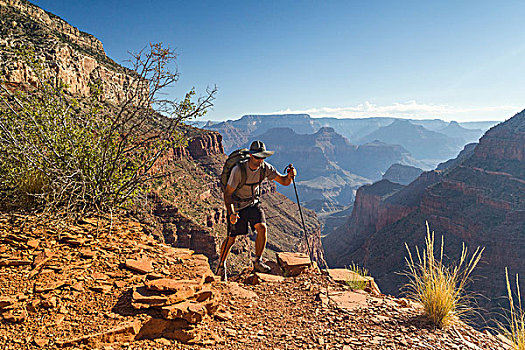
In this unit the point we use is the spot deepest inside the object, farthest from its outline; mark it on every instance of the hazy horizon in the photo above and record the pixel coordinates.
(424, 60)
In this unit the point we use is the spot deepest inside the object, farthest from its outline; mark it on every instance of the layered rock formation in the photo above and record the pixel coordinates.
(480, 202)
(467, 151)
(76, 58)
(432, 139)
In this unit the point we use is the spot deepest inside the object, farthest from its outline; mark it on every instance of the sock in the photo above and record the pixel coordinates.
(257, 259)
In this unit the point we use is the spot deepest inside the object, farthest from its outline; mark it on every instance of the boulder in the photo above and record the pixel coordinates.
(293, 264)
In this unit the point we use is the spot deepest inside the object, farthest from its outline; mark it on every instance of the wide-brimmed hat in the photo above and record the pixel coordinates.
(258, 149)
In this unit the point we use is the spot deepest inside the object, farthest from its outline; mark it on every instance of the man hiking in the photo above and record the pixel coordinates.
(241, 197)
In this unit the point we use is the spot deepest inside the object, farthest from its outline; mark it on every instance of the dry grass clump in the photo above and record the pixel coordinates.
(514, 329)
(439, 288)
(357, 283)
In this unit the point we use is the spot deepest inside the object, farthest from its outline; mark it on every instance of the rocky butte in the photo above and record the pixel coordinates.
(479, 201)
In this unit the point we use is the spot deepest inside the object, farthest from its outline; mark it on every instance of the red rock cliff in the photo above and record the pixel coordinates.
(479, 202)
(75, 57)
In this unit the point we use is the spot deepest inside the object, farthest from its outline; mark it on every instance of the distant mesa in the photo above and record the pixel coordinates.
(402, 174)
(420, 142)
(455, 130)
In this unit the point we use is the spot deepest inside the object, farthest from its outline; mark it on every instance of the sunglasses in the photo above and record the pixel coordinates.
(258, 158)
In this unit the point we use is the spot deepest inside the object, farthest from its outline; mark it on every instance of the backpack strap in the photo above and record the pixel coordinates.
(244, 176)
(262, 173)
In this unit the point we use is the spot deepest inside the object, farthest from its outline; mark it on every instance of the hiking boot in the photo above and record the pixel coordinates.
(259, 266)
(221, 271)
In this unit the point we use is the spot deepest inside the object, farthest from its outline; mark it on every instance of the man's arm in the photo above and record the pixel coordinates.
(285, 180)
(228, 201)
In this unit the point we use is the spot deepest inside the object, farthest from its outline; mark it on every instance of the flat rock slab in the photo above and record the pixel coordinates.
(258, 278)
(265, 277)
(172, 285)
(125, 333)
(143, 298)
(348, 300)
(240, 292)
(14, 262)
(43, 288)
(178, 253)
(349, 277)
(102, 288)
(6, 302)
(143, 265)
(73, 239)
(87, 253)
(293, 264)
(15, 316)
(192, 312)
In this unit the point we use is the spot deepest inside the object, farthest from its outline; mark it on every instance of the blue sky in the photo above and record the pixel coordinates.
(454, 60)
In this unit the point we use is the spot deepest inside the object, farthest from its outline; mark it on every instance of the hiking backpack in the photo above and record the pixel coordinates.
(240, 157)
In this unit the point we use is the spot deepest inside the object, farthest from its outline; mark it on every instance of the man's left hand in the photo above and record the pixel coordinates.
(292, 172)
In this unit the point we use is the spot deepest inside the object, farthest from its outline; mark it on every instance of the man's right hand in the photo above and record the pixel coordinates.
(234, 217)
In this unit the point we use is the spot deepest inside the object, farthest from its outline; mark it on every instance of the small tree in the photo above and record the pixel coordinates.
(89, 154)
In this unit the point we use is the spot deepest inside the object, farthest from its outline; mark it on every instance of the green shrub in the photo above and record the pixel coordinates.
(439, 288)
(89, 154)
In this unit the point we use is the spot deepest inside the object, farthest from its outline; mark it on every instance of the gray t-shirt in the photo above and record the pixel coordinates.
(243, 196)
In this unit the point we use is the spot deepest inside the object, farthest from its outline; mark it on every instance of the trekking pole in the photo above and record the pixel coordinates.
(300, 212)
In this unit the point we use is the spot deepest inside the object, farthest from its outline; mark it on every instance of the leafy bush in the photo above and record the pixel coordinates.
(89, 154)
(439, 288)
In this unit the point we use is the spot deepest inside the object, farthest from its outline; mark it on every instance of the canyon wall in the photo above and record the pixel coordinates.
(479, 201)
(76, 58)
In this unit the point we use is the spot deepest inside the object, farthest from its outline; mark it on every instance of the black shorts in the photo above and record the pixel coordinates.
(250, 215)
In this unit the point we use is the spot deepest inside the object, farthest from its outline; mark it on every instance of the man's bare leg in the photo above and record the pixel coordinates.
(260, 241)
(260, 244)
(225, 248)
